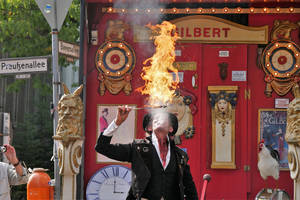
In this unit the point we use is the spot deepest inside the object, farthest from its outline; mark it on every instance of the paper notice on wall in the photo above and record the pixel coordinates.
(282, 102)
(223, 53)
(239, 76)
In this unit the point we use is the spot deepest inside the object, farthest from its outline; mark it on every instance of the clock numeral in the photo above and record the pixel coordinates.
(125, 174)
(105, 174)
(115, 171)
(97, 182)
(93, 194)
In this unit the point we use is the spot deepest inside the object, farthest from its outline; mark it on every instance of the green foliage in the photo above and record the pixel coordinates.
(34, 143)
(23, 29)
(25, 32)
(44, 88)
(16, 86)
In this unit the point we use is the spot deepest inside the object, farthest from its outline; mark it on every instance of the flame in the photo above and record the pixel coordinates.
(159, 83)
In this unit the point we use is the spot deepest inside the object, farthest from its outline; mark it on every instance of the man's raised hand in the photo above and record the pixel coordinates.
(122, 115)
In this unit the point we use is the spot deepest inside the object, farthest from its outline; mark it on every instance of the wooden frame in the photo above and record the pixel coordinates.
(223, 133)
(271, 128)
(126, 133)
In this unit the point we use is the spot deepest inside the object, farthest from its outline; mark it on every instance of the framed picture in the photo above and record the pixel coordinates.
(106, 113)
(223, 100)
(271, 128)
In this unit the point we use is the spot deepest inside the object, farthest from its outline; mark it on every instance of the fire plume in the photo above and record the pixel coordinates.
(159, 83)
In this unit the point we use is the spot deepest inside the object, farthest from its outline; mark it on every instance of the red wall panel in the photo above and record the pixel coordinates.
(226, 184)
(259, 100)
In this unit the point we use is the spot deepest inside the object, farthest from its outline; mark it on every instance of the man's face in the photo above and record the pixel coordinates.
(161, 122)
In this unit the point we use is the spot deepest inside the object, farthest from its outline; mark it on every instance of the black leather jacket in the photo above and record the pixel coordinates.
(138, 154)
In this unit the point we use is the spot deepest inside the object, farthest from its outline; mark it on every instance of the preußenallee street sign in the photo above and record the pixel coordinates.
(23, 65)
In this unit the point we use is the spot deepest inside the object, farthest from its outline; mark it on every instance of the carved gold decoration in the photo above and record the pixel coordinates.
(281, 63)
(69, 137)
(223, 100)
(292, 161)
(230, 32)
(282, 30)
(292, 137)
(60, 157)
(280, 59)
(76, 155)
(70, 116)
(184, 107)
(115, 61)
(115, 30)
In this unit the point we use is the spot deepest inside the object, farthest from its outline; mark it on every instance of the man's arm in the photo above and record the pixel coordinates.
(120, 118)
(19, 174)
(121, 152)
(14, 178)
(12, 158)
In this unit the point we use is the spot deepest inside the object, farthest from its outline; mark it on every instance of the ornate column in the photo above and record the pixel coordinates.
(70, 138)
(292, 137)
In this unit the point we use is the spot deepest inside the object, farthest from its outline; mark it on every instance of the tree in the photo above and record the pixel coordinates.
(24, 32)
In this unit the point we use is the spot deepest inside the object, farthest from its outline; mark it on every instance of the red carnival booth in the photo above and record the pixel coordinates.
(243, 51)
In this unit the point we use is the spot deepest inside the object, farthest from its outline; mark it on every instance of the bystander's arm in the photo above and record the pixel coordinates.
(17, 174)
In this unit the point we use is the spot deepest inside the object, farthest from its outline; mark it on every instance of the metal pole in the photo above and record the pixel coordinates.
(56, 92)
(82, 80)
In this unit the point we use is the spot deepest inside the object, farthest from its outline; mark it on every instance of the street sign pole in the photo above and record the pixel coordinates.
(56, 93)
(55, 12)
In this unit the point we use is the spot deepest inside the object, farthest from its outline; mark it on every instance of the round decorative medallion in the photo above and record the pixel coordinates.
(281, 59)
(115, 59)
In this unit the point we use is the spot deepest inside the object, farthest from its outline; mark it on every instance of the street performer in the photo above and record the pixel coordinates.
(159, 168)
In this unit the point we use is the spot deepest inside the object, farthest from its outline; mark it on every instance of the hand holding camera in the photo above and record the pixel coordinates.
(3, 149)
(10, 154)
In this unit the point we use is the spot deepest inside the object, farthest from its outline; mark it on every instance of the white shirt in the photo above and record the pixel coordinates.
(9, 176)
(113, 127)
(156, 145)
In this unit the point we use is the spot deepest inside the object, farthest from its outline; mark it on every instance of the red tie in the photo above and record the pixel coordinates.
(163, 148)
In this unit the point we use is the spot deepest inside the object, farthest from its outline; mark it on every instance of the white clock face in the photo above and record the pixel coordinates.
(109, 183)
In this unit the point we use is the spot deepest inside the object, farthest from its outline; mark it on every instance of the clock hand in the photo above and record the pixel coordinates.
(116, 192)
(115, 185)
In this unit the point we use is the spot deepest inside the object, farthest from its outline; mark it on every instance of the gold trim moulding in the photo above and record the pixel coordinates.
(223, 87)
